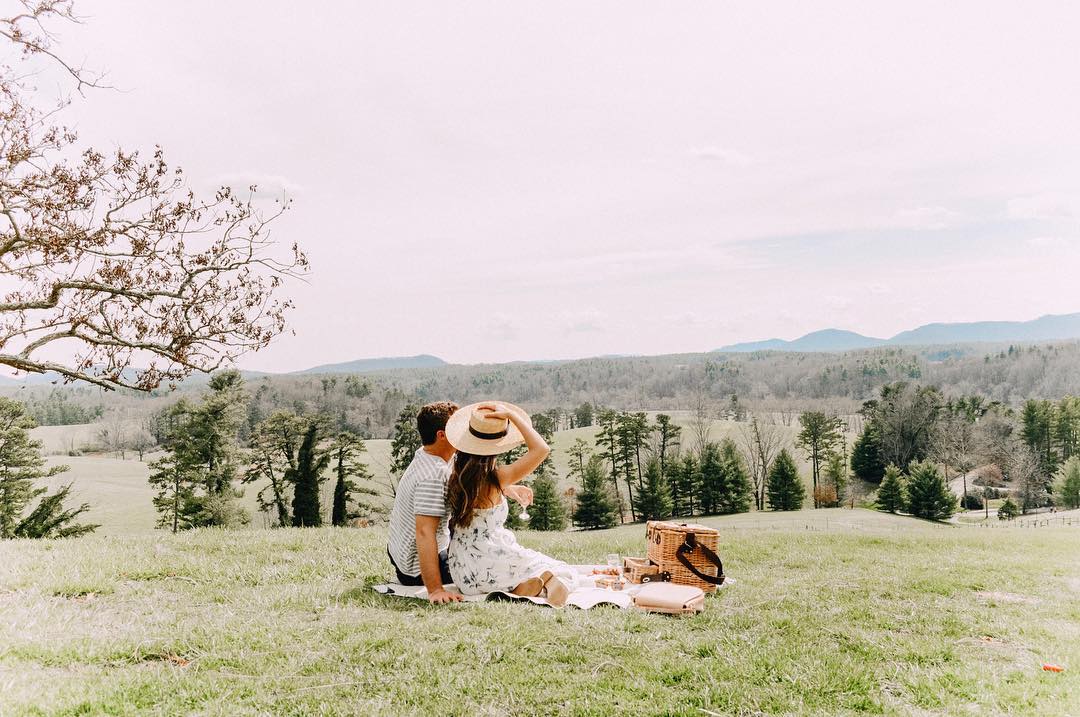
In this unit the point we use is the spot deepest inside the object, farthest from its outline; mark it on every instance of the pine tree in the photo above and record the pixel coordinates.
(607, 439)
(195, 477)
(667, 434)
(1067, 484)
(835, 478)
(653, 498)
(927, 494)
(684, 482)
(595, 506)
(306, 477)
(784, 487)
(891, 496)
(20, 465)
(345, 453)
(712, 472)
(547, 511)
(1007, 510)
(736, 491)
(406, 442)
(176, 501)
(866, 460)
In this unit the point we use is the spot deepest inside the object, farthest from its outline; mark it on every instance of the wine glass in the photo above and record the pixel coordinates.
(614, 561)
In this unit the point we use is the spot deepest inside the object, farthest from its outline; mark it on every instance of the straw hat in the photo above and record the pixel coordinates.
(470, 430)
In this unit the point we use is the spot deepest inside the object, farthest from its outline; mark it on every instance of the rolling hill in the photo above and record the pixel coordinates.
(1045, 328)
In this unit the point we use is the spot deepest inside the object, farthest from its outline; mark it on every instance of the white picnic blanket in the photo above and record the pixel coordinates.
(584, 594)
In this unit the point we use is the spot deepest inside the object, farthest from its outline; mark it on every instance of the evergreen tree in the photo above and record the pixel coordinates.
(547, 511)
(1067, 484)
(1007, 510)
(195, 477)
(595, 506)
(274, 442)
(713, 479)
(607, 439)
(784, 487)
(579, 454)
(406, 442)
(176, 500)
(927, 494)
(311, 462)
(891, 497)
(653, 498)
(835, 478)
(866, 460)
(684, 484)
(345, 453)
(631, 432)
(735, 491)
(667, 434)
(583, 415)
(21, 465)
(1038, 420)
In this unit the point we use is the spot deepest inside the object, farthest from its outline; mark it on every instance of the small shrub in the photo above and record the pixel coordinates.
(825, 496)
(1008, 510)
(971, 502)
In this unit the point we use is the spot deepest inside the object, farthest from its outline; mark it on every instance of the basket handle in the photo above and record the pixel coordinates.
(688, 546)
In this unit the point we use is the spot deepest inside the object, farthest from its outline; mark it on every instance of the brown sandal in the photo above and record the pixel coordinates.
(556, 592)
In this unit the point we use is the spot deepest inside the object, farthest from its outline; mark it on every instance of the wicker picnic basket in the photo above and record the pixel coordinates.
(687, 552)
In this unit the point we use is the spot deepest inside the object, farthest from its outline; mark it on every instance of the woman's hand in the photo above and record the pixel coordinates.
(521, 494)
(496, 412)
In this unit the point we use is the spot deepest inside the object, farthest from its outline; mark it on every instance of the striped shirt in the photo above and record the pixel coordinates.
(422, 491)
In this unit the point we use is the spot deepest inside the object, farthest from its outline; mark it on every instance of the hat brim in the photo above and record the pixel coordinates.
(457, 431)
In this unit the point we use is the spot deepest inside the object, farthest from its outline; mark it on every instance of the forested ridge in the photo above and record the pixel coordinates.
(784, 384)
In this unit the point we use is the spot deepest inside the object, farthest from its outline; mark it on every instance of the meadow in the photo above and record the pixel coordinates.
(850, 612)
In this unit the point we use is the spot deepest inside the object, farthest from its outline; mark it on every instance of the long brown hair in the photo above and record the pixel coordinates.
(473, 478)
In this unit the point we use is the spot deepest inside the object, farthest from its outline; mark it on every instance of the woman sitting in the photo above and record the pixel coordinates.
(483, 555)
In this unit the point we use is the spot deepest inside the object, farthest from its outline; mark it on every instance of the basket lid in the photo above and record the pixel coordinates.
(680, 527)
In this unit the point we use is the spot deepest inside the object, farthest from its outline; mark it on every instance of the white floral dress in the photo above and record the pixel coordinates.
(486, 557)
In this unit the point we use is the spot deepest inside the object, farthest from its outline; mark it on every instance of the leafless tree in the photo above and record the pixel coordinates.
(118, 264)
(761, 443)
(701, 419)
(953, 445)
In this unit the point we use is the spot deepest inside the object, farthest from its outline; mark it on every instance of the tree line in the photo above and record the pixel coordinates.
(287, 454)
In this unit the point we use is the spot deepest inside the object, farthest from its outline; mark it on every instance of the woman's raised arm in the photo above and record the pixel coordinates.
(538, 450)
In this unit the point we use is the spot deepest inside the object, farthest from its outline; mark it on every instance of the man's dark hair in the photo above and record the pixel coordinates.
(432, 419)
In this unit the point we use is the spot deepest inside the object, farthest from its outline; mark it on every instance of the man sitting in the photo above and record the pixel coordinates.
(419, 535)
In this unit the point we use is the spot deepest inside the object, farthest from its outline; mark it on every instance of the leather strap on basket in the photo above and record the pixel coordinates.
(690, 543)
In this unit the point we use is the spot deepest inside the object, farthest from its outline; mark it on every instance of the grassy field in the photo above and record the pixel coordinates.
(119, 495)
(866, 613)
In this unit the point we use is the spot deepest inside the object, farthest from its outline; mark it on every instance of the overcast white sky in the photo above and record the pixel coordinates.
(509, 180)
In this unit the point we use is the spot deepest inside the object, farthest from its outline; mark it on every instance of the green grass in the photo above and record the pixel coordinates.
(869, 614)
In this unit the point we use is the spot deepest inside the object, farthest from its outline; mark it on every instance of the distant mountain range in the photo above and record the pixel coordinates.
(1045, 328)
(357, 366)
(378, 364)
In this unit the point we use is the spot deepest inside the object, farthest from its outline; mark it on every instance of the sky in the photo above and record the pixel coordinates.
(493, 181)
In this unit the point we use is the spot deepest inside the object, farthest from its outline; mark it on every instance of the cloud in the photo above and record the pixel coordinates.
(1042, 206)
(499, 327)
(1051, 242)
(926, 218)
(582, 322)
(732, 157)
